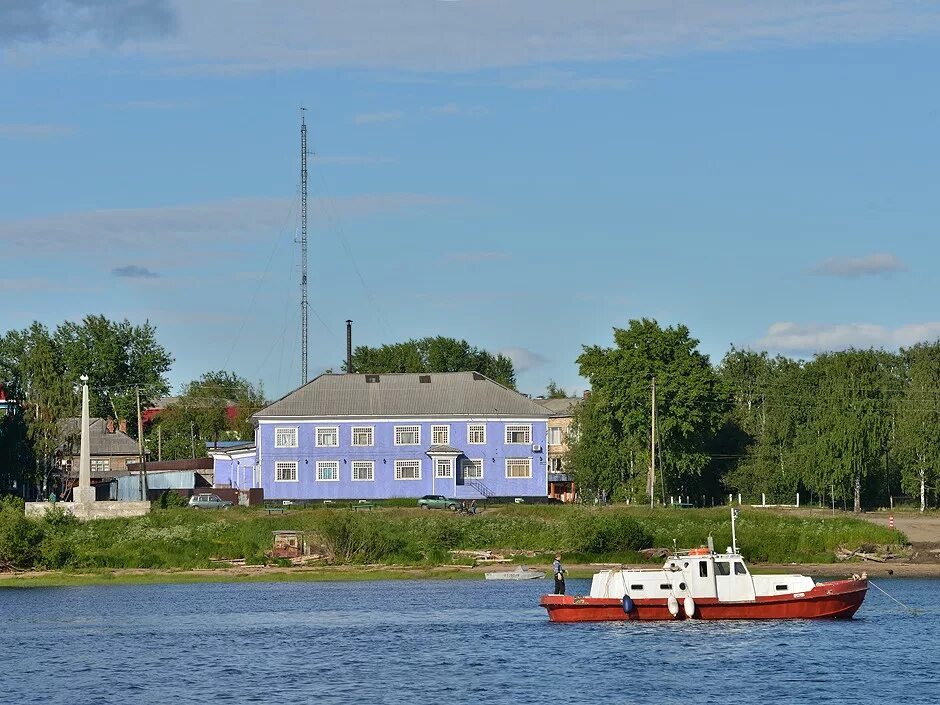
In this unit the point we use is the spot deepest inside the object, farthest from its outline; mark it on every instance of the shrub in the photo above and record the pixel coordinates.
(18, 535)
(172, 500)
(607, 533)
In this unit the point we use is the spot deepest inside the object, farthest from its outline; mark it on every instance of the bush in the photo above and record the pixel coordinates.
(607, 533)
(353, 538)
(18, 535)
(172, 500)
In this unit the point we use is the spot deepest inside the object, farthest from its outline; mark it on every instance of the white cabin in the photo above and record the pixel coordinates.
(699, 573)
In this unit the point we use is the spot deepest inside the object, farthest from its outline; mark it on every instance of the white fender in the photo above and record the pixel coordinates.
(688, 606)
(673, 604)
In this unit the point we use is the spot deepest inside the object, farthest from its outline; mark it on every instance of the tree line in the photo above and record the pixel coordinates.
(854, 427)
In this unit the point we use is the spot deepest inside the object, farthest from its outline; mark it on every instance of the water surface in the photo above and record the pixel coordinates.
(441, 642)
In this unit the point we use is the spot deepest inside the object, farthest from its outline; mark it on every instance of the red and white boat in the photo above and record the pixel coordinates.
(703, 584)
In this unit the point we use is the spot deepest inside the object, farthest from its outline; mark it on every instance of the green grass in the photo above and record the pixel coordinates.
(183, 539)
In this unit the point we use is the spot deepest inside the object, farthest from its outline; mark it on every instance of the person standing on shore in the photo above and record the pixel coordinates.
(559, 572)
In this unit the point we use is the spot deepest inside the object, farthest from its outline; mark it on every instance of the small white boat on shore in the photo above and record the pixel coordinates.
(520, 573)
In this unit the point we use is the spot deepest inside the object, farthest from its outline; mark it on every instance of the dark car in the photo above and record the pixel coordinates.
(208, 501)
(437, 501)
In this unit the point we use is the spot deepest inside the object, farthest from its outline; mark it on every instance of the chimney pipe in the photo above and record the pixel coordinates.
(349, 365)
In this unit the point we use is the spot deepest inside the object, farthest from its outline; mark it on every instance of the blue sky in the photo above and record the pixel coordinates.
(526, 175)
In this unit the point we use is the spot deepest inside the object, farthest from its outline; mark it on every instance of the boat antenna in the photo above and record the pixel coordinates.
(734, 537)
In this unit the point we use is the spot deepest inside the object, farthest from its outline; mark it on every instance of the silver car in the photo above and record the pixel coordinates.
(208, 501)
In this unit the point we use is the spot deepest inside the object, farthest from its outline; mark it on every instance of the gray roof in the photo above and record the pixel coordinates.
(442, 394)
(102, 442)
(444, 450)
(560, 407)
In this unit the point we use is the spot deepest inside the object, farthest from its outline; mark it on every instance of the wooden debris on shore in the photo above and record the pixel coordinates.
(870, 552)
(655, 552)
(481, 557)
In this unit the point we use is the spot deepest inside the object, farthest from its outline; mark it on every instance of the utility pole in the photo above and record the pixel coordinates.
(192, 437)
(140, 449)
(159, 443)
(303, 247)
(651, 484)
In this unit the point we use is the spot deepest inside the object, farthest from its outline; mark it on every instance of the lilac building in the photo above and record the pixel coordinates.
(353, 436)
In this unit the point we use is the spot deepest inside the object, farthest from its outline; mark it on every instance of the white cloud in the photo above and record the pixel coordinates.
(850, 267)
(370, 118)
(523, 359)
(235, 220)
(34, 131)
(810, 338)
(415, 35)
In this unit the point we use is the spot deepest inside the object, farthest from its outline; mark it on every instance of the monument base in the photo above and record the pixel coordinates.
(82, 495)
(84, 511)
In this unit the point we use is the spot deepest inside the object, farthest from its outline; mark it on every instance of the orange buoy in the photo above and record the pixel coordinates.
(699, 551)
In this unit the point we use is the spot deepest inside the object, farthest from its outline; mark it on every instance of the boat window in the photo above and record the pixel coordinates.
(739, 568)
(703, 569)
(781, 587)
(636, 587)
(665, 586)
(722, 568)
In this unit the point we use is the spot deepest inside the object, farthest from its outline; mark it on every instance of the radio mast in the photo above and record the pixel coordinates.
(303, 248)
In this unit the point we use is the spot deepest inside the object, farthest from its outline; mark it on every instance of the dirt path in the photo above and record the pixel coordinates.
(919, 528)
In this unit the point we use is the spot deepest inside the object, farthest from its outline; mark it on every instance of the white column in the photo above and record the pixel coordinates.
(84, 492)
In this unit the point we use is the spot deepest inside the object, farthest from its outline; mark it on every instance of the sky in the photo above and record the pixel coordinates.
(524, 174)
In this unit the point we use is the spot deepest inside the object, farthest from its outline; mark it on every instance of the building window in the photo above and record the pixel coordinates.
(519, 434)
(363, 470)
(407, 469)
(554, 436)
(327, 470)
(473, 469)
(519, 468)
(476, 433)
(285, 438)
(327, 436)
(99, 465)
(285, 471)
(440, 435)
(408, 436)
(362, 436)
(443, 467)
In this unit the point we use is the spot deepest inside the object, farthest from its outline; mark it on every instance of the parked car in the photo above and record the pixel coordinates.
(208, 501)
(437, 501)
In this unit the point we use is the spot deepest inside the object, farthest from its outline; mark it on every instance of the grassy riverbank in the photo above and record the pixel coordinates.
(188, 540)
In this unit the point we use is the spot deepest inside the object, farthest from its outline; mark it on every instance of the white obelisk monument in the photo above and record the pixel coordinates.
(84, 492)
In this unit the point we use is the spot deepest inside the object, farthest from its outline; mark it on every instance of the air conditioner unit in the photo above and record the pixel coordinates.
(536, 448)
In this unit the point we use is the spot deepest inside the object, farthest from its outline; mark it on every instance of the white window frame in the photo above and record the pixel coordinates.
(283, 430)
(399, 464)
(100, 465)
(469, 463)
(400, 430)
(449, 474)
(360, 465)
(555, 431)
(282, 465)
(362, 429)
(470, 427)
(435, 430)
(335, 430)
(527, 462)
(322, 465)
(525, 429)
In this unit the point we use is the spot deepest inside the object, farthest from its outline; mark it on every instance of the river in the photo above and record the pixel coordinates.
(442, 642)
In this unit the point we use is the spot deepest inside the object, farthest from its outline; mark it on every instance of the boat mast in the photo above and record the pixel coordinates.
(303, 248)
(734, 537)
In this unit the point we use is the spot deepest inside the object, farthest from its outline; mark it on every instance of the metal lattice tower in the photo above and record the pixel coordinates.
(303, 248)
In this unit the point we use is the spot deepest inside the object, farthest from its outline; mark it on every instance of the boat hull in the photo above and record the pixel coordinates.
(835, 600)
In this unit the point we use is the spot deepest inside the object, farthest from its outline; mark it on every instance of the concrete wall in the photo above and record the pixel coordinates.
(90, 510)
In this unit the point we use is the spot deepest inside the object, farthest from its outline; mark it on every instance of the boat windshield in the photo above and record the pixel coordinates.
(739, 568)
(722, 568)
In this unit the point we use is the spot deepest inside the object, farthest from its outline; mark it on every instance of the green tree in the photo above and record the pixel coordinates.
(917, 441)
(438, 354)
(119, 358)
(553, 391)
(202, 413)
(613, 424)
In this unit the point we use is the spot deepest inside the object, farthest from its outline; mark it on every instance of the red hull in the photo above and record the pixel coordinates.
(836, 600)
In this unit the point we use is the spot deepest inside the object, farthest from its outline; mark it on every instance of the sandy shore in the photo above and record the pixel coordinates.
(901, 569)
